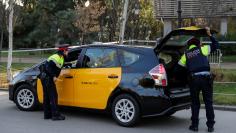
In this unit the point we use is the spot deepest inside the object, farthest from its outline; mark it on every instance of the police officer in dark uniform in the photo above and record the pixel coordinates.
(49, 73)
(197, 64)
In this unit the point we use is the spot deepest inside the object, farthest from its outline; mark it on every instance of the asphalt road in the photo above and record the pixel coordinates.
(13, 120)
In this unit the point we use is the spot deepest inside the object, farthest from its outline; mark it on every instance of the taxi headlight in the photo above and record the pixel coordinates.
(15, 74)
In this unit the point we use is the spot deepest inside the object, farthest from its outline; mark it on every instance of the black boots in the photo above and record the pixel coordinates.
(210, 129)
(193, 128)
(54, 118)
(47, 116)
(58, 118)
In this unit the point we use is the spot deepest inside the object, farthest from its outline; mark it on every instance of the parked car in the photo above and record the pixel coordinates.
(128, 81)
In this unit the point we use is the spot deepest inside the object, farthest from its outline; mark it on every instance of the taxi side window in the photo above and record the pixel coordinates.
(72, 58)
(100, 58)
(128, 58)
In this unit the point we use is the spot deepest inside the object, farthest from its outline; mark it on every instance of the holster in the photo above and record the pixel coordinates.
(42, 69)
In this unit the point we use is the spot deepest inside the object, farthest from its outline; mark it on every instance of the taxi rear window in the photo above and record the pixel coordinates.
(127, 58)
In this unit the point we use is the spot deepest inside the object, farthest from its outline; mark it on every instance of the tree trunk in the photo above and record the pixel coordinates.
(101, 22)
(1, 42)
(113, 21)
(10, 29)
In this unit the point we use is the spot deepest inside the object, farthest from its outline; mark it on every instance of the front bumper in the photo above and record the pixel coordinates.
(11, 92)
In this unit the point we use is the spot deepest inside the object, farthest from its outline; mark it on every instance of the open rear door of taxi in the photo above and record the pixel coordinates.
(181, 34)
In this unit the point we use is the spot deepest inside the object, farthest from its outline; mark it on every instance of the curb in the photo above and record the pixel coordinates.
(223, 107)
(3, 89)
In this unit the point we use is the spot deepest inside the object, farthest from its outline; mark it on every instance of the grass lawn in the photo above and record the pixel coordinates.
(229, 58)
(225, 89)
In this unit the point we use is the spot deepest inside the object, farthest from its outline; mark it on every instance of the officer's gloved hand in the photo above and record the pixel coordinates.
(208, 31)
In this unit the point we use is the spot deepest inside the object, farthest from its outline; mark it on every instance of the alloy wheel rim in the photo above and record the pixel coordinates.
(124, 110)
(25, 98)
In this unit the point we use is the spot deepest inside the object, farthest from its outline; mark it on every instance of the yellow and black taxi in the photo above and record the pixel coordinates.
(129, 81)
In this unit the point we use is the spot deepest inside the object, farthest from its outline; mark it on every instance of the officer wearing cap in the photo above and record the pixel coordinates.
(49, 74)
(197, 64)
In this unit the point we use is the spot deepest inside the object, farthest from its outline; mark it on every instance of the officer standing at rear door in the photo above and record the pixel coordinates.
(197, 64)
(49, 74)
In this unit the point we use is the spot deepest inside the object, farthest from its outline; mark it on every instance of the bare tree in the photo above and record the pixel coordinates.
(88, 17)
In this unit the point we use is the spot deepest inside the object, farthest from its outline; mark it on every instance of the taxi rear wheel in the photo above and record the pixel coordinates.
(25, 98)
(125, 110)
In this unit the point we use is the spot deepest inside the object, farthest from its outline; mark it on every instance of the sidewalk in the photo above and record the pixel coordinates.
(23, 59)
(225, 65)
(3, 89)
(222, 107)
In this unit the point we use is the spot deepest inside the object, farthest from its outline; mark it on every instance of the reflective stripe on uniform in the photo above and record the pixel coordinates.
(202, 73)
(182, 61)
(58, 60)
(206, 50)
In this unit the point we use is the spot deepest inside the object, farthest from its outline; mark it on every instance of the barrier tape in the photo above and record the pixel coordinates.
(144, 41)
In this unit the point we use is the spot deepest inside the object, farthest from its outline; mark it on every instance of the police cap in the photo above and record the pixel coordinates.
(194, 41)
(62, 47)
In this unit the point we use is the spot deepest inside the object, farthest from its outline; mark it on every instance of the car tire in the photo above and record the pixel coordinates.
(25, 98)
(125, 110)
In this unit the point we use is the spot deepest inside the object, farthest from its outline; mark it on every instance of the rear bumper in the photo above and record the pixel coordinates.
(170, 109)
(180, 96)
(178, 99)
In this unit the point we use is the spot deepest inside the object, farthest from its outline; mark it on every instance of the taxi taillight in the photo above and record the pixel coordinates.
(159, 75)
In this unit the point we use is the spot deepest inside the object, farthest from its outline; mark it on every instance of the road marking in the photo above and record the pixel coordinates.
(3, 93)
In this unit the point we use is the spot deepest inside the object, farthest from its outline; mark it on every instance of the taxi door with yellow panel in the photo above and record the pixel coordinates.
(99, 76)
(65, 87)
(65, 82)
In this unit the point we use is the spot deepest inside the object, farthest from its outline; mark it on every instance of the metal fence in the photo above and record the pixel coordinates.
(215, 58)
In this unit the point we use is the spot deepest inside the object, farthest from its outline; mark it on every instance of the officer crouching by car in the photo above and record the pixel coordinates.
(49, 73)
(197, 64)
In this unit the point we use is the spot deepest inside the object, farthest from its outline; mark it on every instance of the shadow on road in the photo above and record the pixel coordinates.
(101, 116)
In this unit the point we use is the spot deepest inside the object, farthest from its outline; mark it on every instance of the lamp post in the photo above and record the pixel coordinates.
(179, 14)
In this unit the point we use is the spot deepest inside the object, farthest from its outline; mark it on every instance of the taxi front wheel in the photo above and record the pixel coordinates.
(25, 98)
(125, 110)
